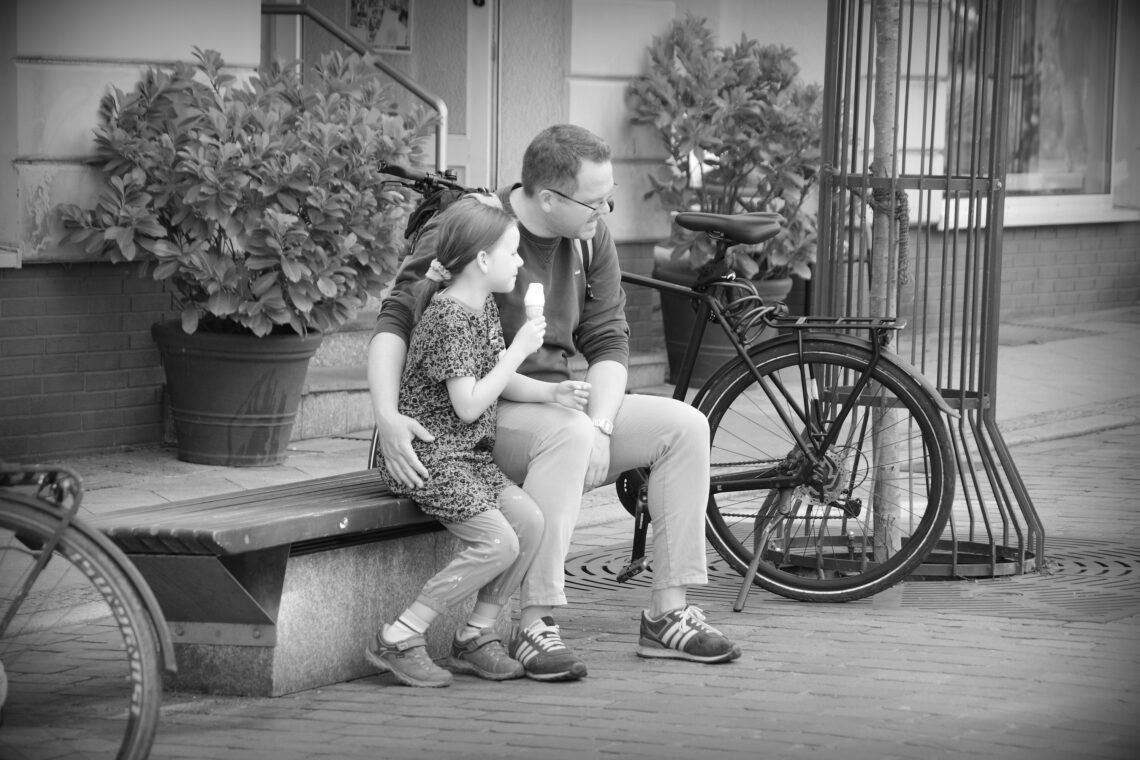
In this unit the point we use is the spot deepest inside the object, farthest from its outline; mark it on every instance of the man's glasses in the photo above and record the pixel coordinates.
(595, 208)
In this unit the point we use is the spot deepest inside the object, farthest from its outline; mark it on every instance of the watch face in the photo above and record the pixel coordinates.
(605, 426)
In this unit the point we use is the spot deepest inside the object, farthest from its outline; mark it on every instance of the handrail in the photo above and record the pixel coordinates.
(434, 101)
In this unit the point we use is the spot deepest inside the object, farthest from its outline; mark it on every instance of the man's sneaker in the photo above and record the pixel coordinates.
(540, 649)
(407, 660)
(484, 656)
(683, 635)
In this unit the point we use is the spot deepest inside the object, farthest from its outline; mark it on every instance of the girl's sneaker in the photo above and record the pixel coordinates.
(684, 635)
(484, 656)
(407, 660)
(540, 649)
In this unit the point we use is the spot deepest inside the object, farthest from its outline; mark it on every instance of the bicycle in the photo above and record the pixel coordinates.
(832, 467)
(83, 641)
(832, 472)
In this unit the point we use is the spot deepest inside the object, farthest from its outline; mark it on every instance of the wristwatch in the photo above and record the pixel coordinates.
(601, 423)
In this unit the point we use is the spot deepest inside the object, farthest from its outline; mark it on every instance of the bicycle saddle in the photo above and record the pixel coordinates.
(753, 227)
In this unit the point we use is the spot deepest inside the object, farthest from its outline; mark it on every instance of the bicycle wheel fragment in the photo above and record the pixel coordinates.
(81, 653)
(839, 479)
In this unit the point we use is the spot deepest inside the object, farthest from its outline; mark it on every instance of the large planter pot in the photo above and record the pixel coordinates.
(233, 398)
(678, 315)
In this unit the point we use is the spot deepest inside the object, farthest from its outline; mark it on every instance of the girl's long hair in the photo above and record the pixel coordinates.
(466, 227)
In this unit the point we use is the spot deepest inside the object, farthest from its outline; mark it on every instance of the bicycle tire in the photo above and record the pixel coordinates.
(818, 539)
(82, 654)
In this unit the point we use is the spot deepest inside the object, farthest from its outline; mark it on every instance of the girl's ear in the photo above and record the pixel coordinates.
(481, 258)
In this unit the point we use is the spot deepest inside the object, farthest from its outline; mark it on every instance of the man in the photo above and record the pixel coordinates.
(556, 453)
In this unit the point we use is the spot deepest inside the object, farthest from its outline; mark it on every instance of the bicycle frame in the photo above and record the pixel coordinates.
(709, 310)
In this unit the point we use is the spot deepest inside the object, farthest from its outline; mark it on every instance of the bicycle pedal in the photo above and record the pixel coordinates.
(633, 569)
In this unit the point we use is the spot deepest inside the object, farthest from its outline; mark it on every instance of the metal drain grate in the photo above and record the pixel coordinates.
(1085, 581)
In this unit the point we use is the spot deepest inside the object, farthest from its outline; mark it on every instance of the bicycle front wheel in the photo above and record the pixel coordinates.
(81, 654)
(859, 512)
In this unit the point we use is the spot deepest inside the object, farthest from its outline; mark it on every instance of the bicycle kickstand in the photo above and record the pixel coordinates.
(638, 561)
(778, 499)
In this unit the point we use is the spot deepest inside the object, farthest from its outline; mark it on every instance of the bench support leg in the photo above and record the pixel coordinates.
(328, 606)
(218, 600)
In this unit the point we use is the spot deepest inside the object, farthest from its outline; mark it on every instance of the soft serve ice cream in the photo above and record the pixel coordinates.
(534, 300)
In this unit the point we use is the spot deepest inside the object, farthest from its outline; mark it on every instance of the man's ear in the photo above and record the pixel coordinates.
(546, 201)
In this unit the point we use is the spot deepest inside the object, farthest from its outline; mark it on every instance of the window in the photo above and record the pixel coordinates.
(1061, 98)
(1069, 59)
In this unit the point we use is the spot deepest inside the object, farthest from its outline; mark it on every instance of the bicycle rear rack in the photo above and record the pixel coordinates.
(748, 315)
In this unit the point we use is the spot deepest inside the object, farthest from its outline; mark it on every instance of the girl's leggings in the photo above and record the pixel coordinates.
(499, 546)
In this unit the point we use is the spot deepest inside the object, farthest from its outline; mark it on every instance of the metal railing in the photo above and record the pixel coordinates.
(432, 101)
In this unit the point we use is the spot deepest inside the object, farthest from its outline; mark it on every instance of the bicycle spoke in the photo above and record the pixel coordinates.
(83, 676)
(867, 502)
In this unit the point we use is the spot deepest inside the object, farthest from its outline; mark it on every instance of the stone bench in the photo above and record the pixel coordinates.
(278, 589)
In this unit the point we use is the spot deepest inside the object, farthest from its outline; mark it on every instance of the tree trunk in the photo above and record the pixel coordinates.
(887, 493)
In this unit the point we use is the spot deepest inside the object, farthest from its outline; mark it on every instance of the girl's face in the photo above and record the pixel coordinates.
(503, 261)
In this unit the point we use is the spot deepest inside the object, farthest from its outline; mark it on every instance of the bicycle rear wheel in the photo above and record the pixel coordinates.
(872, 507)
(81, 654)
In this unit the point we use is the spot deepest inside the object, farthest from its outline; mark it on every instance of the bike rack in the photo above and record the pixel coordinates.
(928, 154)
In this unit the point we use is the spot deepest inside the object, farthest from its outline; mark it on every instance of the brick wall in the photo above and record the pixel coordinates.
(1046, 272)
(642, 306)
(78, 369)
(1058, 271)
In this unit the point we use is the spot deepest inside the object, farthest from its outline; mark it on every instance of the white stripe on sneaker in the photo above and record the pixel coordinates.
(525, 652)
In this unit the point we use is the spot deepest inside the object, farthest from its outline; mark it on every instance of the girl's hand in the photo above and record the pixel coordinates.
(530, 335)
(572, 394)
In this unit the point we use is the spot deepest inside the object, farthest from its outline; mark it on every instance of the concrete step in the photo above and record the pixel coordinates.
(348, 346)
(335, 399)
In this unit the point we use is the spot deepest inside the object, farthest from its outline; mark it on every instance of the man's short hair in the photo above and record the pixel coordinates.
(554, 157)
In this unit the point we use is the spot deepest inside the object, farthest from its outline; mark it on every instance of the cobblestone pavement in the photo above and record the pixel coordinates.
(995, 668)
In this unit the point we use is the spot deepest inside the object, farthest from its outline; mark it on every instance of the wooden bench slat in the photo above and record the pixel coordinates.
(261, 518)
(356, 482)
(252, 510)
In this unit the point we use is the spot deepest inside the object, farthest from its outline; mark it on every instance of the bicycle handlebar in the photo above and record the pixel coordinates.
(424, 181)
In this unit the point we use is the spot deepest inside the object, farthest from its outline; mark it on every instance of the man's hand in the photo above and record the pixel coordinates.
(400, 458)
(599, 465)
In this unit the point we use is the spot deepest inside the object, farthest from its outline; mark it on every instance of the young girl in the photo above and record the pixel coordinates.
(456, 369)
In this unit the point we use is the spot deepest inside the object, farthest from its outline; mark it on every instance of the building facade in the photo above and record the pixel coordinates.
(78, 370)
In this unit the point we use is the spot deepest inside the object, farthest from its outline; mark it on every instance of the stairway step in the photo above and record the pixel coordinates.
(335, 399)
(347, 346)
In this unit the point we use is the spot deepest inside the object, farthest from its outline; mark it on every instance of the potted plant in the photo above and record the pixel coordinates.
(741, 134)
(261, 206)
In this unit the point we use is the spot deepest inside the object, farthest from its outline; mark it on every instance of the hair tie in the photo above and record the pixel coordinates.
(437, 272)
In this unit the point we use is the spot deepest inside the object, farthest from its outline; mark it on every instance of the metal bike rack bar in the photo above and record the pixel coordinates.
(916, 134)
